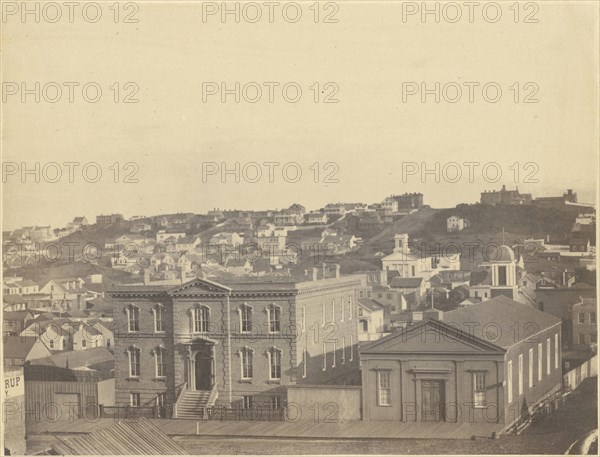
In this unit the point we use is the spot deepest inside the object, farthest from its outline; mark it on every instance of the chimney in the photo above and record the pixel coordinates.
(337, 270)
(146, 276)
(315, 273)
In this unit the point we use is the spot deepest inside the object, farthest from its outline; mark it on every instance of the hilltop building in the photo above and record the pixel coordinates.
(505, 197)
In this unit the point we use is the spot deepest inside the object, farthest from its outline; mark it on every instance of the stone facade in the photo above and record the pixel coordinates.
(282, 332)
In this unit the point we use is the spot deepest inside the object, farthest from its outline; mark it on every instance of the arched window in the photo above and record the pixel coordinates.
(274, 356)
(160, 361)
(159, 317)
(245, 318)
(134, 362)
(133, 318)
(201, 317)
(274, 318)
(246, 359)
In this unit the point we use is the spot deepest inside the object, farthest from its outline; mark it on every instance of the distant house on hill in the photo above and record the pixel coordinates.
(456, 224)
(78, 223)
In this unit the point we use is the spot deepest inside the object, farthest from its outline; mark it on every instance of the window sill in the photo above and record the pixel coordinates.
(160, 378)
(274, 381)
(246, 381)
(133, 378)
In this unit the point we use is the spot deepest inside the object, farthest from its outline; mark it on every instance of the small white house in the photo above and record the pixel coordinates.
(456, 224)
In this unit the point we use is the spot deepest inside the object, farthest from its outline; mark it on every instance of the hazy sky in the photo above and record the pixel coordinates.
(367, 55)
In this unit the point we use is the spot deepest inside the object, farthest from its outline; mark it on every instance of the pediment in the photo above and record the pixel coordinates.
(432, 337)
(199, 286)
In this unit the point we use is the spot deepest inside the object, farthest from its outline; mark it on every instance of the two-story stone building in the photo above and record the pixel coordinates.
(239, 345)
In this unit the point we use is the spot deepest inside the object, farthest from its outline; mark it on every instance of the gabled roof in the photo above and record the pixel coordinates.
(13, 299)
(77, 359)
(403, 283)
(371, 305)
(504, 314)
(431, 336)
(138, 437)
(16, 315)
(198, 283)
(18, 347)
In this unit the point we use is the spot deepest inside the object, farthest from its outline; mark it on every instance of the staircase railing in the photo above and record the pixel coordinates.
(212, 398)
(183, 389)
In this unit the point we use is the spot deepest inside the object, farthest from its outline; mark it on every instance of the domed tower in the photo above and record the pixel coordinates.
(504, 272)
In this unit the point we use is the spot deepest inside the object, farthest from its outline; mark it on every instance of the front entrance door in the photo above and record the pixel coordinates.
(432, 398)
(203, 371)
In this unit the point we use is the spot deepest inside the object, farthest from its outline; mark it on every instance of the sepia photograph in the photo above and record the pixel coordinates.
(311, 227)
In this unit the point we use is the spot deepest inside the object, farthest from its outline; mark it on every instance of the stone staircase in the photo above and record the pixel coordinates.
(193, 404)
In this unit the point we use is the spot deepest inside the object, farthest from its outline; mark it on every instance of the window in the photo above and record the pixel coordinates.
(201, 319)
(247, 402)
(556, 351)
(304, 318)
(359, 311)
(383, 388)
(108, 342)
(160, 400)
(159, 359)
(332, 310)
(245, 319)
(351, 348)
(51, 344)
(276, 402)
(274, 363)
(479, 390)
(134, 362)
(582, 318)
(343, 350)
(520, 374)
(342, 310)
(350, 307)
(333, 354)
(361, 293)
(593, 338)
(530, 370)
(274, 316)
(83, 343)
(323, 314)
(247, 356)
(548, 356)
(509, 385)
(540, 359)
(324, 357)
(581, 339)
(592, 318)
(304, 365)
(502, 280)
(134, 399)
(159, 323)
(133, 318)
